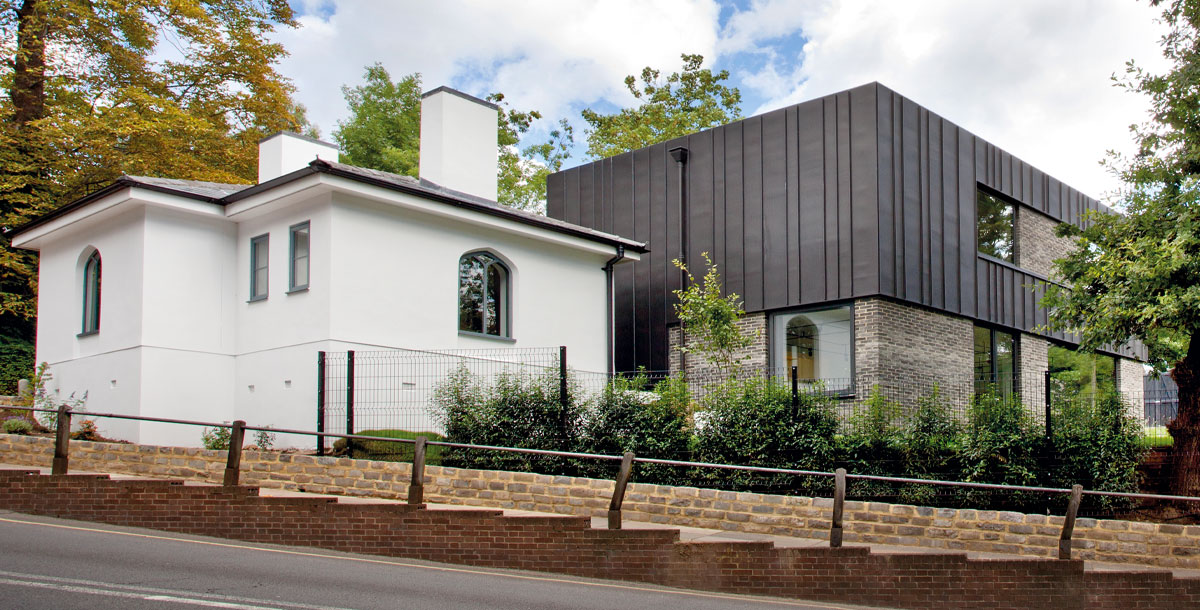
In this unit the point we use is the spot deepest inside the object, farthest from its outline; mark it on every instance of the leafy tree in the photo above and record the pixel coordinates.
(685, 102)
(90, 99)
(1138, 274)
(384, 132)
(709, 321)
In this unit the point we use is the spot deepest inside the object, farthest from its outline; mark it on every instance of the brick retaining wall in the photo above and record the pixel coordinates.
(568, 545)
(1161, 545)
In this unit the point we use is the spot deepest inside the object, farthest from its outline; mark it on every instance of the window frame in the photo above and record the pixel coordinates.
(254, 241)
(1014, 256)
(1013, 385)
(90, 322)
(306, 226)
(777, 320)
(506, 331)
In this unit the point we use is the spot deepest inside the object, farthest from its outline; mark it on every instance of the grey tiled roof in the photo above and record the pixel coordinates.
(215, 190)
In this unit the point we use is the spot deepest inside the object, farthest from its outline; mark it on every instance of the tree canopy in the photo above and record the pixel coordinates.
(178, 88)
(683, 103)
(1137, 274)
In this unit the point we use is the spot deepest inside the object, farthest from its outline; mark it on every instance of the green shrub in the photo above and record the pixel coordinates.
(1001, 445)
(388, 451)
(651, 420)
(17, 425)
(874, 445)
(16, 363)
(216, 439)
(750, 422)
(87, 431)
(517, 410)
(1097, 444)
(930, 443)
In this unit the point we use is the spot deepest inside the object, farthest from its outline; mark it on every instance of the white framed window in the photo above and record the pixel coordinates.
(259, 259)
(483, 295)
(91, 295)
(818, 343)
(298, 257)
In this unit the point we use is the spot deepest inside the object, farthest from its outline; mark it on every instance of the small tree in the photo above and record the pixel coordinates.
(709, 322)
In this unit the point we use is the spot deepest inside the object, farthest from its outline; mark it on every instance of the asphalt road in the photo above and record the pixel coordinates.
(66, 565)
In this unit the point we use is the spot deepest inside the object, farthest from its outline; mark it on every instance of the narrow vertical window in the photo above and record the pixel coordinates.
(483, 295)
(298, 254)
(995, 361)
(995, 230)
(91, 295)
(258, 267)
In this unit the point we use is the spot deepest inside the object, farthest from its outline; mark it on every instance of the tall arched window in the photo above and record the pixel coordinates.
(91, 294)
(483, 295)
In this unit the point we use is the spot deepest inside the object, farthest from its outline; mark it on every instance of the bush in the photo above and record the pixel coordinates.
(1097, 444)
(517, 410)
(650, 420)
(387, 451)
(750, 422)
(1000, 445)
(16, 363)
(87, 431)
(216, 439)
(18, 425)
(930, 443)
(874, 446)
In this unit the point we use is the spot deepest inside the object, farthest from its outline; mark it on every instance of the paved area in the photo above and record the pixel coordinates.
(695, 533)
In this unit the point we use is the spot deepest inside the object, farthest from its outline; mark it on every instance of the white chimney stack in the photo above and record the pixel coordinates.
(458, 142)
(286, 152)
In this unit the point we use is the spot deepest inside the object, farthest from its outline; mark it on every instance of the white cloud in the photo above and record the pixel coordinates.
(556, 57)
(1028, 75)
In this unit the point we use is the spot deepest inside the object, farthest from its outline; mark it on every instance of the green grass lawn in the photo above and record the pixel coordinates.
(1155, 436)
(392, 452)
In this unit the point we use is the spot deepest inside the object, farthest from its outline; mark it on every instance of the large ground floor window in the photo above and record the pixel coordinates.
(818, 343)
(995, 361)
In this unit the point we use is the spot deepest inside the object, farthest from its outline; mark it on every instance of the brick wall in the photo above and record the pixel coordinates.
(1130, 379)
(701, 374)
(1162, 545)
(1037, 245)
(905, 350)
(568, 545)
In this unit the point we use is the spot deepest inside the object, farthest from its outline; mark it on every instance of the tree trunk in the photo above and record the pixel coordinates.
(29, 66)
(1185, 428)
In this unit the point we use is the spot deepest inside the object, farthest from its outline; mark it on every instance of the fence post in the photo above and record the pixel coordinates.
(839, 504)
(350, 401)
(1064, 541)
(23, 388)
(562, 392)
(233, 457)
(1049, 429)
(416, 489)
(618, 496)
(320, 402)
(795, 391)
(62, 437)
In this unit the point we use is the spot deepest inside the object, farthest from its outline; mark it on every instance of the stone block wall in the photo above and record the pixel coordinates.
(1036, 244)
(1163, 545)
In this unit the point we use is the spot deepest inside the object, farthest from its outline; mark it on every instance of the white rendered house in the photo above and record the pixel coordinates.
(183, 299)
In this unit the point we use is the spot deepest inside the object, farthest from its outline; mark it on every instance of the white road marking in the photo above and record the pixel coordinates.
(404, 564)
(98, 589)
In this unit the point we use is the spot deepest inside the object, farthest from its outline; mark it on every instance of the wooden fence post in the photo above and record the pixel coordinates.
(416, 489)
(839, 505)
(62, 438)
(618, 496)
(233, 462)
(1068, 529)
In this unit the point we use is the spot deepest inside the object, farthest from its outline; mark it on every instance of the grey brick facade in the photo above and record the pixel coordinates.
(1037, 245)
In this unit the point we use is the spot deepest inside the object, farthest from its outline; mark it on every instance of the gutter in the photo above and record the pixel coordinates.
(610, 309)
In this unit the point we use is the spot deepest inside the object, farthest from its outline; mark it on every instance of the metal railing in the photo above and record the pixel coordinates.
(416, 494)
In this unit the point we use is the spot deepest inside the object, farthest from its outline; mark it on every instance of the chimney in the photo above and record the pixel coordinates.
(458, 142)
(286, 152)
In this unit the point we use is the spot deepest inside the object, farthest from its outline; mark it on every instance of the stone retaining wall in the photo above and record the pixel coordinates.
(1162, 545)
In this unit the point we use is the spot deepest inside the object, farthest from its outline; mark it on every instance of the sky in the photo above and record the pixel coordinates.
(1033, 77)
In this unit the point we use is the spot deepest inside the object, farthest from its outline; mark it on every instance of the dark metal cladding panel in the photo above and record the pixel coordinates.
(555, 195)
(734, 274)
(951, 248)
(571, 213)
(624, 275)
(587, 195)
(885, 190)
(811, 161)
(642, 186)
(718, 189)
(926, 208)
(700, 199)
(601, 212)
(662, 251)
(793, 205)
(830, 240)
(864, 173)
(774, 209)
(937, 213)
(673, 244)
(911, 163)
(752, 189)
(845, 227)
(970, 165)
(898, 194)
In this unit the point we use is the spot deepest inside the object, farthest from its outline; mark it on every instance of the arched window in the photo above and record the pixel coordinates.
(483, 295)
(91, 294)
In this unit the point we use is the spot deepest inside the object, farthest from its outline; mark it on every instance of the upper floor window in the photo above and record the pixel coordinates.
(994, 221)
(298, 255)
(258, 267)
(483, 295)
(818, 344)
(91, 294)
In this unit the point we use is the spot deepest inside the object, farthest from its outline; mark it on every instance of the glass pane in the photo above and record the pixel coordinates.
(300, 272)
(91, 294)
(300, 256)
(1074, 374)
(983, 359)
(258, 267)
(818, 344)
(470, 294)
(260, 282)
(801, 347)
(1005, 365)
(495, 300)
(995, 224)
